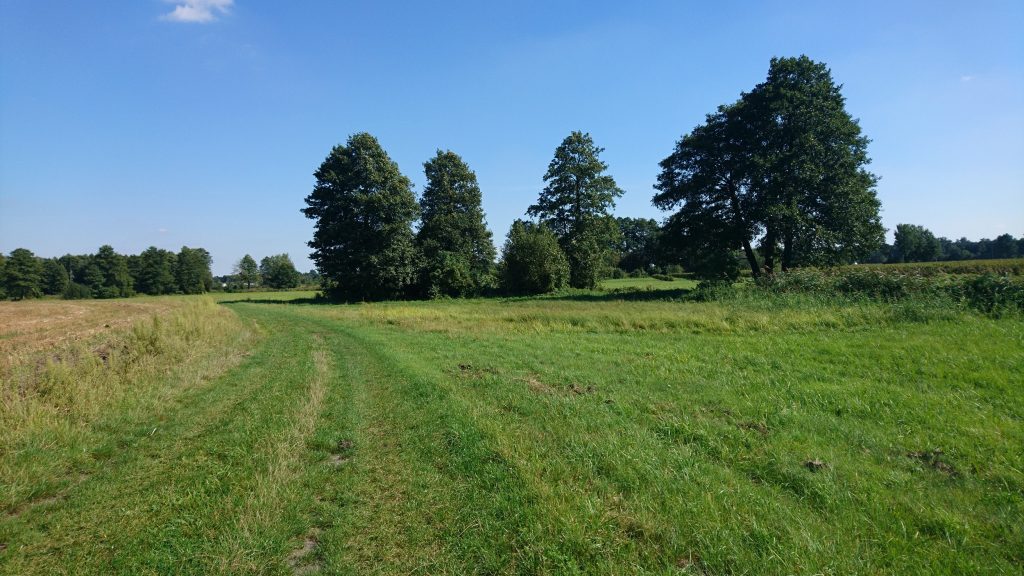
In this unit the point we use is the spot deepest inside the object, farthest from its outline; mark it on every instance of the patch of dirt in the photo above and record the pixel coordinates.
(934, 459)
(758, 427)
(342, 452)
(103, 353)
(537, 386)
(302, 560)
(3, 546)
(35, 325)
(691, 564)
(580, 390)
(470, 371)
(25, 506)
(815, 465)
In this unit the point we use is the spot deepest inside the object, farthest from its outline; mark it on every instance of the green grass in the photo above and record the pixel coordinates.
(569, 434)
(647, 283)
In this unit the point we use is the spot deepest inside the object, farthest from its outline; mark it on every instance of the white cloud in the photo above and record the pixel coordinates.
(197, 10)
(966, 78)
(162, 230)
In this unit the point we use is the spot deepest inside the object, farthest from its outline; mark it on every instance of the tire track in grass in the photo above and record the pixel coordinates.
(275, 486)
(429, 492)
(159, 506)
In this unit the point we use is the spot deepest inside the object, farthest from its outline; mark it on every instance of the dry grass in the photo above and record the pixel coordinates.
(31, 325)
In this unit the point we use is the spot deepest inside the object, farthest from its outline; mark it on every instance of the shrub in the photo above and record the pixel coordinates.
(618, 273)
(76, 291)
(991, 293)
(663, 277)
(531, 261)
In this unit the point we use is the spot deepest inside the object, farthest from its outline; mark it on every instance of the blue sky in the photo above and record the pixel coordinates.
(200, 122)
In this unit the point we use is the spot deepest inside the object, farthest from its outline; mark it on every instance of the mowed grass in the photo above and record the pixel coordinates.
(569, 434)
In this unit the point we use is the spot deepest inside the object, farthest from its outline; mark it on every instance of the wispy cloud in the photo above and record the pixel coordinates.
(162, 230)
(966, 78)
(197, 10)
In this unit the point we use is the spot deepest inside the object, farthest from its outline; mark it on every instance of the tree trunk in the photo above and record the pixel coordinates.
(769, 250)
(734, 201)
(787, 250)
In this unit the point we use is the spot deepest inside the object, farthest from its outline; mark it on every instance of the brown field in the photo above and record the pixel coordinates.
(31, 325)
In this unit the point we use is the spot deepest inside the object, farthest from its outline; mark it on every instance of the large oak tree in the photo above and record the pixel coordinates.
(783, 169)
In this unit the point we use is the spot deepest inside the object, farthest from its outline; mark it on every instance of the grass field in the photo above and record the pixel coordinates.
(572, 434)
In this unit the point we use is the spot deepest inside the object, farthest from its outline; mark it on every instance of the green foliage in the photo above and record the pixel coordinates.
(453, 240)
(22, 275)
(576, 203)
(3, 287)
(192, 271)
(155, 272)
(992, 293)
(784, 165)
(54, 278)
(915, 244)
(987, 292)
(248, 271)
(532, 261)
(279, 272)
(363, 209)
(76, 291)
(638, 244)
(114, 280)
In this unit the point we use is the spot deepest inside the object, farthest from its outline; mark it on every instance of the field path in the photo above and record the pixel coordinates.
(313, 456)
(553, 438)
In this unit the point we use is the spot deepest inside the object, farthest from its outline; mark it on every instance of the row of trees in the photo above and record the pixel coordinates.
(365, 247)
(106, 274)
(277, 271)
(777, 176)
(915, 243)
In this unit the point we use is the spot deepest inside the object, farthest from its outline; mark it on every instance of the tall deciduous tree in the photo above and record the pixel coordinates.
(247, 271)
(915, 244)
(279, 272)
(576, 203)
(638, 243)
(453, 239)
(785, 166)
(23, 275)
(363, 209)
(532, 262)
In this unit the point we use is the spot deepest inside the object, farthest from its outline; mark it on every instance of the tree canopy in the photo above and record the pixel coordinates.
(915, 244)
(454, 242)
(782, 168)
(532, 262)
(576, 203)
(248, 271)
(278, 272)
(363, 209)
(22, 274)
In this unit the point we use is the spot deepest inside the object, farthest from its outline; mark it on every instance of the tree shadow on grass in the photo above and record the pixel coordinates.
(304, 301)
(627, 295)
(617, 295)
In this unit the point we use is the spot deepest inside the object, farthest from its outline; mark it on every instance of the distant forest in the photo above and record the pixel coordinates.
(107, 274)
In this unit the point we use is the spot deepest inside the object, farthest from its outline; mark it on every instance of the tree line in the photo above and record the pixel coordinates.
(277, 272)
(776, 179)
(105, 274)
(915, 243)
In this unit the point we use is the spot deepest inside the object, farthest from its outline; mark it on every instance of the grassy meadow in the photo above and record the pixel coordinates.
(621, 431)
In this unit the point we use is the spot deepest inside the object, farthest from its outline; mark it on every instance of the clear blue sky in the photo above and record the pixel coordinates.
(200, 122)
